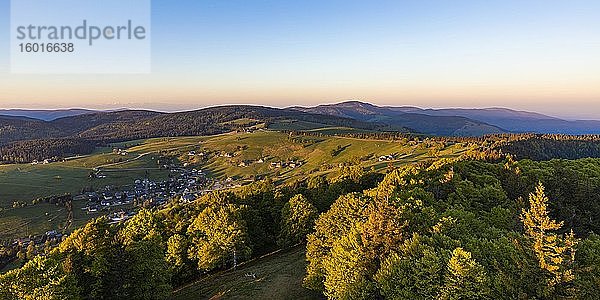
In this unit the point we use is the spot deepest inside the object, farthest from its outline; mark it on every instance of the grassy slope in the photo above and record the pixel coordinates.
(315, 152)
(26, 182)
(295, 125)
(278, 276)
(29, 220)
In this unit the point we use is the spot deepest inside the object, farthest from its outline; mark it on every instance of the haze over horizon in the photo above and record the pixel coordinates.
(538, 56)
(171, 109)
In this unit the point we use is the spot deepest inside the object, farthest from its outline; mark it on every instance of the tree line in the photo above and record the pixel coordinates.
(548, 147)
(32, 150)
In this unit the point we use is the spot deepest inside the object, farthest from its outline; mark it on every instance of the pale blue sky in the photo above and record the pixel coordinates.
(534, 55)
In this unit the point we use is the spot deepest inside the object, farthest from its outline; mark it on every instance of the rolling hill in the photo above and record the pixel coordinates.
(418, 122)
(316, 153)
(22, 128)
(137, 124)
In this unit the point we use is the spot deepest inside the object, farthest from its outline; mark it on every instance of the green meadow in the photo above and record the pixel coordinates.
(318, 154)
(238, 155)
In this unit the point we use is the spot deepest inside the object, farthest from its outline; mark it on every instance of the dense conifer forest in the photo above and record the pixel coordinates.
(39, 150)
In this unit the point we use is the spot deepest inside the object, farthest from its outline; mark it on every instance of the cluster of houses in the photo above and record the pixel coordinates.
(247, 130)
(247, 163)
(181, 183)
(216, 185)
(51, 235)
(226, 154)
(120, 216)
(292, 164)
(121, 152)
(388, 157)
(43, 162)
(193, 153)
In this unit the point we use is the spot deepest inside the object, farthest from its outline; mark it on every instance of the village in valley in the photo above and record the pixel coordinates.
(185, 184)
(182, 184)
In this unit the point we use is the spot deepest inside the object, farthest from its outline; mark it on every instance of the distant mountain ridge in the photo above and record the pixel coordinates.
(458, 121)
(418, 122)
(45, 114)
(470, 112)
(514, 120)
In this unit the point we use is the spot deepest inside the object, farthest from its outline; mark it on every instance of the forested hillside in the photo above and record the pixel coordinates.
(206, 122)
(451, 229)
(32, 150)
(132, 124)
(546, 147)
(45, 139)
(18, 128)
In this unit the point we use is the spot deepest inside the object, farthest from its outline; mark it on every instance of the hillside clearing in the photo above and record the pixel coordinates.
(277, 276)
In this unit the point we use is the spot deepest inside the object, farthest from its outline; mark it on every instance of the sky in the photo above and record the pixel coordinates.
(541, 56)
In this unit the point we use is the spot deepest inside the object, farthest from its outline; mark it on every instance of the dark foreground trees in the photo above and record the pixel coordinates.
(423, 235)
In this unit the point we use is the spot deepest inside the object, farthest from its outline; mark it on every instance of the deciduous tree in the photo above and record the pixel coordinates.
(465, 278)
(555, 253)
(298, 218)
